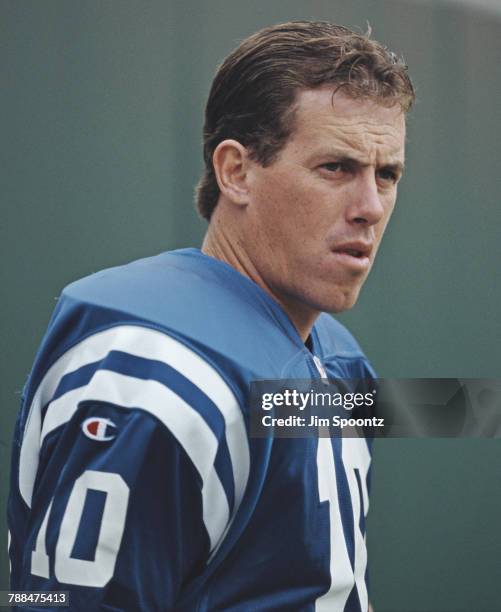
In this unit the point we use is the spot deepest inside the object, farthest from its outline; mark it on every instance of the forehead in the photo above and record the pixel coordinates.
(327, 119)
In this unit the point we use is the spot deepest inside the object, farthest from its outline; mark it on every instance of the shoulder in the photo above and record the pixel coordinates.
(163, 283)
(199, 300)
(125, 336)
(151, 286)
(119, 341)
(176, 294)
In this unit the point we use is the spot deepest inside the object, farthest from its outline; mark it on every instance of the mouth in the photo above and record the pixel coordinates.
(354, 254)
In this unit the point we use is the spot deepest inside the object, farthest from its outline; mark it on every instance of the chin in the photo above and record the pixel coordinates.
(342, 301)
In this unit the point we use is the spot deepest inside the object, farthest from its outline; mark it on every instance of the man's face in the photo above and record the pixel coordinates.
(318, 212)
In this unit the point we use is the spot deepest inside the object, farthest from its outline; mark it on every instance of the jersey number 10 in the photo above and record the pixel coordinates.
(68, 569)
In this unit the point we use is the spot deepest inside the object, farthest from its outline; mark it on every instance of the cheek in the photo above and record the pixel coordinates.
(291, 210)
(283, 202)
(389, 211)
(382, 225)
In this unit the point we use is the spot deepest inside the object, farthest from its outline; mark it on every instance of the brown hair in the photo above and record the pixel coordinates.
(252, 96)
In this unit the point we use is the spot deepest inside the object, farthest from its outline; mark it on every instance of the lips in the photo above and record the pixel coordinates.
(356, 249)
(353, 256)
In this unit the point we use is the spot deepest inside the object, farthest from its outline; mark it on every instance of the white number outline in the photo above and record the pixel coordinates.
(355, 455)
(96, 573)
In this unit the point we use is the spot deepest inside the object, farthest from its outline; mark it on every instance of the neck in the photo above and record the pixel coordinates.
(222, 244)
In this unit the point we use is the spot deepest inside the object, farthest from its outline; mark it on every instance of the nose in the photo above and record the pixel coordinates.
(365, 206)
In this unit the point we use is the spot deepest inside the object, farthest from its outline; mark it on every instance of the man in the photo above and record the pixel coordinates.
(135, 483)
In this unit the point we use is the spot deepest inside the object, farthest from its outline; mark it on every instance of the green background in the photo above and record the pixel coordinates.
(102, 107)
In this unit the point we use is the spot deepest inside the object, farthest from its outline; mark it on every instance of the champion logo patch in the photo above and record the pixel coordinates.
(99, 428)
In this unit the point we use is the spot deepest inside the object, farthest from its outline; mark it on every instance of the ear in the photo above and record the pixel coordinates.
(230, 162)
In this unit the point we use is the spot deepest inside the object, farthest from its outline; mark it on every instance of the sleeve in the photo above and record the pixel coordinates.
(132, 460)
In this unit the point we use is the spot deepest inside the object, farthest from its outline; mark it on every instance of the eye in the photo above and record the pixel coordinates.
(331, 169)
(332, 166)
(388, 176)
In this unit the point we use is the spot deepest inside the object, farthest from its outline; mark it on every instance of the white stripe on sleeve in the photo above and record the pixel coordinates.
(190, 429)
